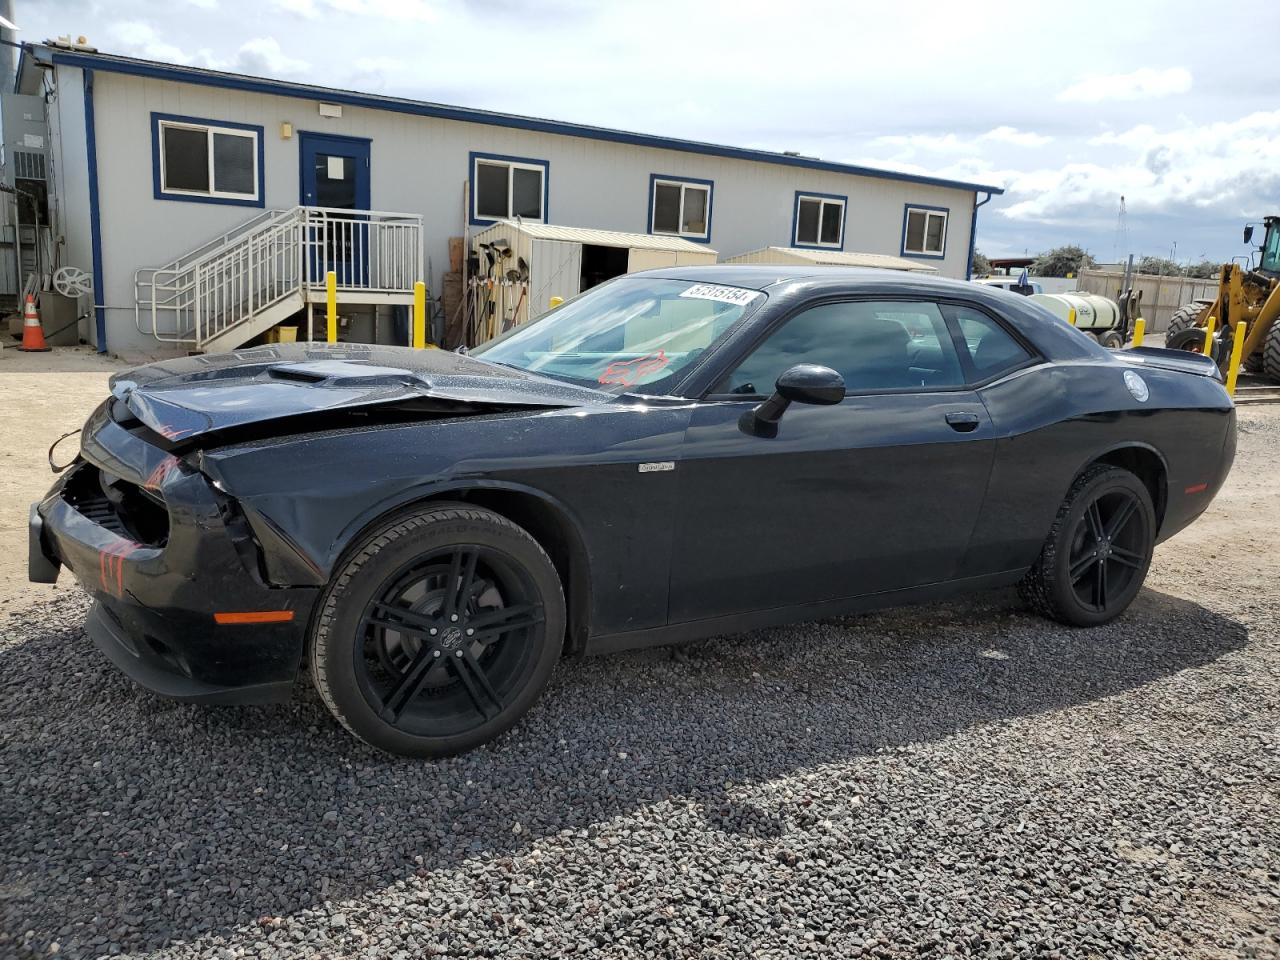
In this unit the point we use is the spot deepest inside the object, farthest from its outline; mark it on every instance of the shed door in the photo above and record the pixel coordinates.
(556, 271)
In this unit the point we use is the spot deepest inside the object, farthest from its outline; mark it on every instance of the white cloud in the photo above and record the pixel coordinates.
(1016, 137)
(141, 39)
(262, 56)
(1227, 167)
(1145, 83)
(401, 11)
(303, 8)
(908, 145)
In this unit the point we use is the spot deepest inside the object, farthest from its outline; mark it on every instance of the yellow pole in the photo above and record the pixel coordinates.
(555, 302)
(1208, 337)
(331, 304)
(1139, 331)
(1071, 316)
(1237, 355)
(419, 315)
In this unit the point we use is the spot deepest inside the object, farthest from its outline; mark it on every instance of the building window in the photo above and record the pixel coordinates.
(508, 187)
(924, 231)
(207, 160)
(819, 220)
(680, 208)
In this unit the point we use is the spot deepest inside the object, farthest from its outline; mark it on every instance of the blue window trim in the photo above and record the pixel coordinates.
(282, 88)
(795, 219)
(697, 182)
(95, 215)
(946, 233)
(160, 194)
(476, 156)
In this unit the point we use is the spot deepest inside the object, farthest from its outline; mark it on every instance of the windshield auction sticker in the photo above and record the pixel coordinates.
(710, 291)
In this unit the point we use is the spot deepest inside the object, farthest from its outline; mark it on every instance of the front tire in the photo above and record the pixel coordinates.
(1271, 352)
(1098, 551)
(438, 631)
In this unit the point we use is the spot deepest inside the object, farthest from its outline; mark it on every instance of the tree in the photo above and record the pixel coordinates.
(981, 265)
(1204, 270)
(1061, 261)
(1160, 266)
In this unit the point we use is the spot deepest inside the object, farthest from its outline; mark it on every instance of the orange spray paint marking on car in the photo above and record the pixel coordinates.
(162, 469)
(627, 373)
(111, 566)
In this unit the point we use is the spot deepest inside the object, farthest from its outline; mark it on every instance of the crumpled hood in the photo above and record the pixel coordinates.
(184, 398)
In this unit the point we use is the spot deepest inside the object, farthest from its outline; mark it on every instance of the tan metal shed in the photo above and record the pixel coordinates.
(831, 258)
(523, 265)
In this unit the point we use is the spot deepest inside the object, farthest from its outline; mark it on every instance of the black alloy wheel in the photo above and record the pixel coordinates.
(1107, 549)
(439, 632)
(1097, 554)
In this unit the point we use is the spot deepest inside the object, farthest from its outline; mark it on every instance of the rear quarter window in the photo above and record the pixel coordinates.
(992, 349)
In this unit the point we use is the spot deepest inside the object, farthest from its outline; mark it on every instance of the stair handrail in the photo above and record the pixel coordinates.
(249, 269)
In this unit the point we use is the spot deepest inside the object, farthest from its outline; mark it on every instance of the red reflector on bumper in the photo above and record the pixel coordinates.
(1197, 488)
(254, 616)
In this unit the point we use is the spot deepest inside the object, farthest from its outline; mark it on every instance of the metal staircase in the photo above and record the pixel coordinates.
(237, 286)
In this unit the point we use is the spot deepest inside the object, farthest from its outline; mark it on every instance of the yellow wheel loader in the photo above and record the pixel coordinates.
(1250, 297)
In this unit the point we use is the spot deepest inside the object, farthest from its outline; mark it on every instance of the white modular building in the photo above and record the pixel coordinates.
(208, 207)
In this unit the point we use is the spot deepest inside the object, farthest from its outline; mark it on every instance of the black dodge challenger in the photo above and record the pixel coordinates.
(671, 455)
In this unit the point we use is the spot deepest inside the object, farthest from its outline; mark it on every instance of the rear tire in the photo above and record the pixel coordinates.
(1112, 340)
(1185, 317)
(438, 631)
(1271, 352)
(1097, 552)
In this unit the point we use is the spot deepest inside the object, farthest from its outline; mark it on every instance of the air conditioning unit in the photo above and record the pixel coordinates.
(26, 153)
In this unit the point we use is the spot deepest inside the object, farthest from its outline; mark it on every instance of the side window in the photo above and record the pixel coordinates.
(874, 345)
(991, 348)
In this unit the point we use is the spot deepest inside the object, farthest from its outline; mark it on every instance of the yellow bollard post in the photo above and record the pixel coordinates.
(331, 305)
(1071, 316)
(1139, 331)
(419, 315)
(1237, 356)
(555, 302)
(1208, 337)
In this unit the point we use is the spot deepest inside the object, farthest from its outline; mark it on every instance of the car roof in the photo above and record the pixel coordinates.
(756, 276)
(1055, 340)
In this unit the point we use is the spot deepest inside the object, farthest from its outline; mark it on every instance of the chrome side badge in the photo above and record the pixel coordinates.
(1137, 386)
(662, 466)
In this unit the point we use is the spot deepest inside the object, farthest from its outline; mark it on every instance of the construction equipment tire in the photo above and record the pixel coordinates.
(1271, 352)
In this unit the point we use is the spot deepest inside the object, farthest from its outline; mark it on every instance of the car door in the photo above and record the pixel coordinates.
(876, 493)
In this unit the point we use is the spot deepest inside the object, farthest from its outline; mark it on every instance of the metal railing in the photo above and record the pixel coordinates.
(237, 276)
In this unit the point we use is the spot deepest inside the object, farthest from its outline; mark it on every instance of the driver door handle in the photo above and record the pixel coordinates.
(962, 422)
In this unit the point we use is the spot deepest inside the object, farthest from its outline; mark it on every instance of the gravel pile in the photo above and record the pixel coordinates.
(960, 779)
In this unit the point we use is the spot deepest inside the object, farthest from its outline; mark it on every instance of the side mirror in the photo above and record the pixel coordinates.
(1248, 233)
(803, 383)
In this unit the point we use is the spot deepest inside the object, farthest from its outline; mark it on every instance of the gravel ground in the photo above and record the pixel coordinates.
(955, 779)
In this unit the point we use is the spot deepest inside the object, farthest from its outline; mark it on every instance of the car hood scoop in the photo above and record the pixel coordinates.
(186, 398)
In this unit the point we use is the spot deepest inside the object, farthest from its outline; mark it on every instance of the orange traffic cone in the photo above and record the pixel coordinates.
(32, 334)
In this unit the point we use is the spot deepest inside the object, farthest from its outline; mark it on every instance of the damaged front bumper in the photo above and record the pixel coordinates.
(181, 602)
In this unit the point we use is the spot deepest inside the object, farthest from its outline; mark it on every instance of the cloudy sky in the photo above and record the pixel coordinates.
(1175, 106)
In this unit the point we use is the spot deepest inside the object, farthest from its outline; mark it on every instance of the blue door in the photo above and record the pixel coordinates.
(334, 175)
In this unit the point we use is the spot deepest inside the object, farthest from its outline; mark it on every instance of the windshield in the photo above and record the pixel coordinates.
(632, 334)
(1271, 249)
